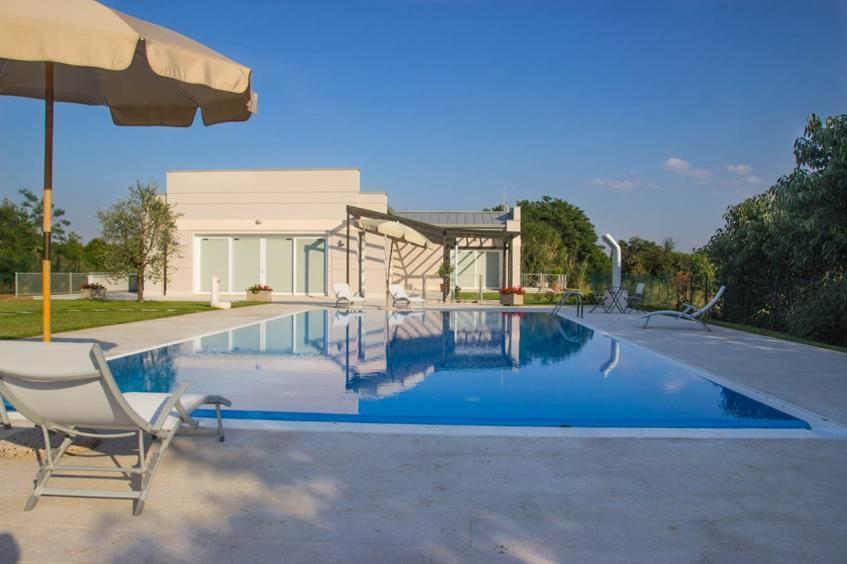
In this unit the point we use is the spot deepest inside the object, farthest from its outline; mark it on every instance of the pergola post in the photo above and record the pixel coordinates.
(348, 248)
(362, 247)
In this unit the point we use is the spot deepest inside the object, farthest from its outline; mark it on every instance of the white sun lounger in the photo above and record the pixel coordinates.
(400, 297)
(343, 294)
(68, 388)
(689, 312)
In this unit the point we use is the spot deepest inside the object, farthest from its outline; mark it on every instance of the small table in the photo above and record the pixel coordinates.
(618, 300)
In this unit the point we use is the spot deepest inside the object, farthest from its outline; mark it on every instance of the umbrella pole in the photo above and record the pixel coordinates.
(47, 206)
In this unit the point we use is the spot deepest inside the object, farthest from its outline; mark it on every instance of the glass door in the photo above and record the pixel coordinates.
(310, 266)
(279, 261)
(214, 261)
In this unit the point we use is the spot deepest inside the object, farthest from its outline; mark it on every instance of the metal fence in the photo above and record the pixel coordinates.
(660, 292)
(29, 283)
(544, 281)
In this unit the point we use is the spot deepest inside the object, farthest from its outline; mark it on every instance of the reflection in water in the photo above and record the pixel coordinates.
(477, 367)
(614, 358)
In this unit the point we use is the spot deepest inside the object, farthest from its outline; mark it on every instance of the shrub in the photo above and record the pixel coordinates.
(91, 286)
(256, 288)
(822, 316)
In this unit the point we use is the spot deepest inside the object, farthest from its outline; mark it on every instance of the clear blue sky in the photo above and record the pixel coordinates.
(632, 110)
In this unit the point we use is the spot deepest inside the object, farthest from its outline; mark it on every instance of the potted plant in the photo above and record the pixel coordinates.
(444, 272)
(512, 295)
(259, 293)
(93, 291)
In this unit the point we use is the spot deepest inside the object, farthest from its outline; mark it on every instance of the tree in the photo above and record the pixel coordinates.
(18, 238)
(139, 233)
(33, 208)
(783, 253)
(574, 230)
(542, 249)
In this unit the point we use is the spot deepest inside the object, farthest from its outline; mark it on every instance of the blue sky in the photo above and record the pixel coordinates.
(651, 116)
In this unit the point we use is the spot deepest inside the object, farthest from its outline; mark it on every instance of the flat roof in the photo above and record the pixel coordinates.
(463, 218)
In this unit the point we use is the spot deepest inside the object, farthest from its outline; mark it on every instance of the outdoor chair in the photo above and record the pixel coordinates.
(688, 312)
(635, 301)
(4, 415)
(401, 298)
(68, 388)
(343, 294)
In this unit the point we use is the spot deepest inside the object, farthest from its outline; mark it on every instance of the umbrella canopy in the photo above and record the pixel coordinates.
(146, 74)
(394, 230)
(83, 52)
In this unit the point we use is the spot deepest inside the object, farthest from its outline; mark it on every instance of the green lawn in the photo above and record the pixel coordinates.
(775, 335)
(22, 318)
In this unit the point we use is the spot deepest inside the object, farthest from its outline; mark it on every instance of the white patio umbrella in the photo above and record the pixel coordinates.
(393, 231)
(83, 52)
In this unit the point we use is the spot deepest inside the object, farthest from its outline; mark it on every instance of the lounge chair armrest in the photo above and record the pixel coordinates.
(688, 308)
(168, 406)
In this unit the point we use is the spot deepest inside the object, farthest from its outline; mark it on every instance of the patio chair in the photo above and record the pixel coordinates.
(688, 312)
(635, 301)
(4, 415)
(343, 294)
(68, 388)
(399, 295)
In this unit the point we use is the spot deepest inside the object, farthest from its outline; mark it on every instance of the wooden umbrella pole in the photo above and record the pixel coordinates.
(47, 210)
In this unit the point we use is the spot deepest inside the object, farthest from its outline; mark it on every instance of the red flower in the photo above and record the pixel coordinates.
(519, 290)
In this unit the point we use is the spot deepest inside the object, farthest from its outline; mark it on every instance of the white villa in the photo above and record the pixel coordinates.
(289, 229)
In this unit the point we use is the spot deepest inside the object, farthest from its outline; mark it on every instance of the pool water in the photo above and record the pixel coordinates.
(502, 368)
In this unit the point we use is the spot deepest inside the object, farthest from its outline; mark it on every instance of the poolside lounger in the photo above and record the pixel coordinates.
(4, 415)
(689, 311)
(635, 302)
(343, 294)
(68, 388)
(400, 297)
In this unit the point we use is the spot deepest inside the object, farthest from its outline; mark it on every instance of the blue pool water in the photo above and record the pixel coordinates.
(443, 367)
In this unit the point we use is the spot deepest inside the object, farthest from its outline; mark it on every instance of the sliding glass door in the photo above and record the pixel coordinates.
(310, 265)
(289, 265)
(279, 271)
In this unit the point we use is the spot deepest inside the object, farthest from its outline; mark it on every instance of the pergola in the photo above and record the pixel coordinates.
(450, 238)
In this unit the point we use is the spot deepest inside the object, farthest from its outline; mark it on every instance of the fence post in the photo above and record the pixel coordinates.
(70, 282)
(16, 284)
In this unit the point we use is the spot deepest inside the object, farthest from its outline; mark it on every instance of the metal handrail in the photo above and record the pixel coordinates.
(579, 306)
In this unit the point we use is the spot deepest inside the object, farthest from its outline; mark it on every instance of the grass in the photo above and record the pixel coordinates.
(775, 335)
(21, 318)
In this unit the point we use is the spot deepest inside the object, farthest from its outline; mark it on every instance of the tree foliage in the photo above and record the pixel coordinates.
(786, 249)
(558, 237)
(139, 235)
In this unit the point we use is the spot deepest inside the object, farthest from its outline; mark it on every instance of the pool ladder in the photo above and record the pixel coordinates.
(579, 307)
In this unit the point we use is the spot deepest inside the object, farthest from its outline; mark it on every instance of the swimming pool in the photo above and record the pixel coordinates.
(479, 367)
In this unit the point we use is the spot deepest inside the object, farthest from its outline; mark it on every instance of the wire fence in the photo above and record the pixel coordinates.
(30, 283)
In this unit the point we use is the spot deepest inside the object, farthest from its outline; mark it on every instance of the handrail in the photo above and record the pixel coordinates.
(579, 307)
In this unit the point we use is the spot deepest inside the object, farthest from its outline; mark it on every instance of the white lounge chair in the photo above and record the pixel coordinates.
(689, 312)
(67, 388)
(399, 295)
(4, 415)
(343, 294)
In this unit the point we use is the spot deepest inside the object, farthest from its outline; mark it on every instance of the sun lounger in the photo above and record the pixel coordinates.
(689, 312)
(401, 298)
(343, 294)
(67, 388)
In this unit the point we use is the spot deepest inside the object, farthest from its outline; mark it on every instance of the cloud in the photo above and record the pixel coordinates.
(684, 168)
(740, 169)
(615, 185)
(745, 172)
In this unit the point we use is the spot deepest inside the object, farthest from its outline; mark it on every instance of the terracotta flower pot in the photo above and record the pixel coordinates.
(511, 299)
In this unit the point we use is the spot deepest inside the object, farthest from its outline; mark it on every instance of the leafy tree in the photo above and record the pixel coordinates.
(18, 238)
(784, 252)
(542, 249)
(575, 232)
(139, 233)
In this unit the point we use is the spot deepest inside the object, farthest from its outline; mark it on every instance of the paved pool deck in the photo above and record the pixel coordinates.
(301, 496)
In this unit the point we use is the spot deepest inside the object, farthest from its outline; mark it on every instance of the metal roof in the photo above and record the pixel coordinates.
(464, 218)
